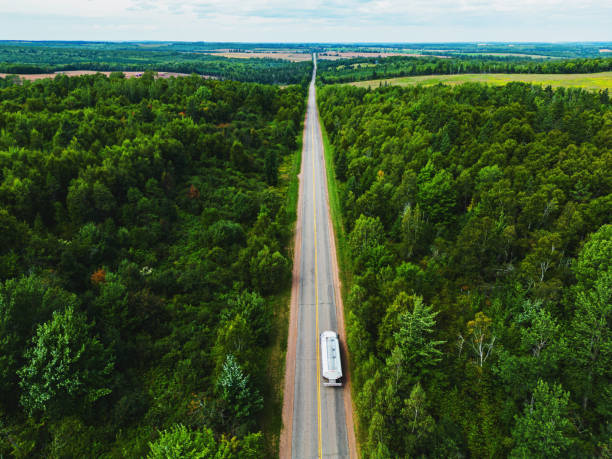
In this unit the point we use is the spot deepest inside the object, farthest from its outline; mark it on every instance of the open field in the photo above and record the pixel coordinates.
(288, 56)
(299, 57)
(335, 55)
(531, 56)
(601, 80)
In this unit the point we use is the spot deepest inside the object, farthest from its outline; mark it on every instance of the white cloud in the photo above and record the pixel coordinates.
(309, 20)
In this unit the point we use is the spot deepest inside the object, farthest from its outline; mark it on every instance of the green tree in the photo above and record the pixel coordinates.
(415, 416)
(539, 327)
(591, 350)
(543, 429)
(25, 303)
(437, 196)
(541, 349)
(271, 167)
(79, 202)
(13, 234)
(242, 402)
(482, 337)
(269, 271)
(590, 331)
(72, 438)
(256, 311)
(415, 410)
(181, 442)
(376, 434)
(234, 336)
(595, 257)
(367, 234)
(65, 366)
(415, 350)
(413, 227)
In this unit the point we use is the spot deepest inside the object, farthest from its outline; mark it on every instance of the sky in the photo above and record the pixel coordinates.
(307, 20)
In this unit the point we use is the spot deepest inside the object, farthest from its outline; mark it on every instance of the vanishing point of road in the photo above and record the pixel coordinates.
(317, 420)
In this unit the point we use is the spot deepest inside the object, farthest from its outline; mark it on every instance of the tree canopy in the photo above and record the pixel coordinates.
(477, 224)
(144, 234)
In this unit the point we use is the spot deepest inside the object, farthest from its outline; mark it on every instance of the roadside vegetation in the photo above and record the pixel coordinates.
(478, 224)
(145, 232)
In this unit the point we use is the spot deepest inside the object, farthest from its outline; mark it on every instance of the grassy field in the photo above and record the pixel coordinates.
(585, 80)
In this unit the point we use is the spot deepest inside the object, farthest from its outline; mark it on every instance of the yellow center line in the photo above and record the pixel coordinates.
(314, 194)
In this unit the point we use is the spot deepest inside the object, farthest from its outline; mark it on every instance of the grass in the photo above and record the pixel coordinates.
(294, 183)
(598, 81)
(271, 416)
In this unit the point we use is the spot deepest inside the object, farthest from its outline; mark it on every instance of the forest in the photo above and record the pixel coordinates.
(371, 68)
(47, 57)
(145, 229)
(479, 274)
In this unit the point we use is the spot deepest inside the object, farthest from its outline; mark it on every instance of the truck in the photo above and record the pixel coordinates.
(331, 364)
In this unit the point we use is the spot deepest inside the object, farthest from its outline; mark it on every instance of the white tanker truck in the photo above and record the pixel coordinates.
(330, 359)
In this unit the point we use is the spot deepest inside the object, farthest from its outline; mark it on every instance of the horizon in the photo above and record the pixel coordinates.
(354, 43)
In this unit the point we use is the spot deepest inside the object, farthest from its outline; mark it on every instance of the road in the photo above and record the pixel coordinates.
(318, 422)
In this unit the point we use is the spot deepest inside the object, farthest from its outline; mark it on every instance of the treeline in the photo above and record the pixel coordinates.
(185, 46)
(480, 309)
(18, 58)
(517, 50)
(566, 50)
(144, 228)
(344, 71)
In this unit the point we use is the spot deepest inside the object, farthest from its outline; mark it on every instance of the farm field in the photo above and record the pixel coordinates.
(531, 56)
(299, 57)
(336, 55)
(288, 56)
(601, 80)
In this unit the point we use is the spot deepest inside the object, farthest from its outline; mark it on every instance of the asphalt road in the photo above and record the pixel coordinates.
(319, 422)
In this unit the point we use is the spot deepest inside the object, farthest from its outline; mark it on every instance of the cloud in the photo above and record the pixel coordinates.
(315, 20)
